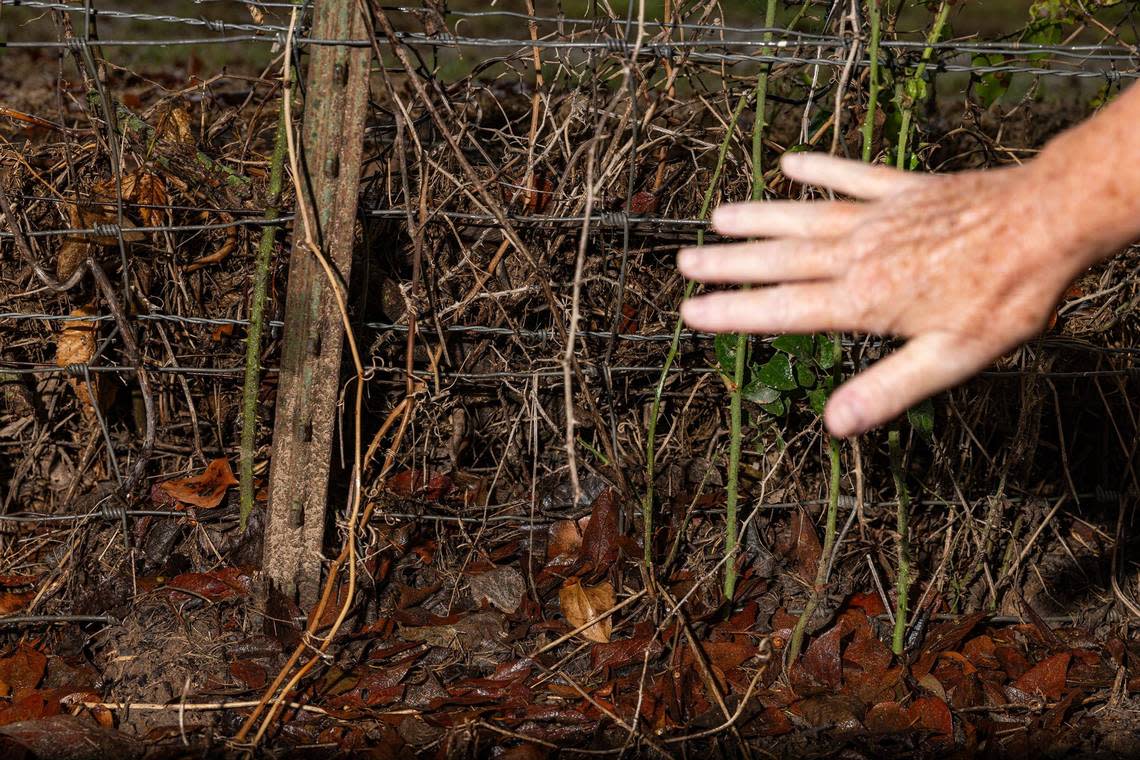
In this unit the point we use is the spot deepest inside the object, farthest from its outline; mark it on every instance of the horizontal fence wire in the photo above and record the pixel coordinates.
(697, 50)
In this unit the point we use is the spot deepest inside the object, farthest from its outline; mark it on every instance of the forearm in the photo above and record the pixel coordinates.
(1091, 174)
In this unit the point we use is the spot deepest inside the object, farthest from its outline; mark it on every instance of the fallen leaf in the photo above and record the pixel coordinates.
(643, 203)
(76, 345)
(476, 631)
(14, 601)
(149, 191)
(23, 669)
(830, 711)
(249, 673)
(822, 660)
(934, 715)
(216, 586)
(501, 587)
(67, 737)
(12, 581)
(564, 540)
(887, 718)
(600, 539)
(800, 544)
(581, 604)
(174, 124)
(870, 604)
(1046, 678)
(206, 490)
(618, 653)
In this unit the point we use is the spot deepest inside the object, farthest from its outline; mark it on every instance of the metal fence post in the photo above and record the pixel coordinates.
(331, 144)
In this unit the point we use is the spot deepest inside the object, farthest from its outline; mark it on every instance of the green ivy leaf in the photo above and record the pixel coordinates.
(921, 418)
(725, 346)
(777, 373)
(989, 88)
(818, 399)
(758, 393)
(826, 352)
(799, 346)
(777, 408)
(804, 375)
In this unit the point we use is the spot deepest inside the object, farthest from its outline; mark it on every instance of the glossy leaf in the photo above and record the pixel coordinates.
(777, 373)
(758, 393)
(805, 376)
(725, 347)
(826, 351)
(818, 400)
(921, 419)
(799, 346)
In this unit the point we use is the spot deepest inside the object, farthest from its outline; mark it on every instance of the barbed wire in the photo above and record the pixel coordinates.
(508, 332)
(750, 36)
(1110, 75)
(589, 369)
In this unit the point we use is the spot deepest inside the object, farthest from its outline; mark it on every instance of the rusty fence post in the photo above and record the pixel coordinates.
(331, 146)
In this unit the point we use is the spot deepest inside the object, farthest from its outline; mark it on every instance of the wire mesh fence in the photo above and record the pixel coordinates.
(514, 274)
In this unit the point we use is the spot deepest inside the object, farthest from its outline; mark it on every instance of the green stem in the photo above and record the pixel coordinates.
(736, 401)
(797, 641)
(675, 347)
(902, 584)
(919, 72)
(260, 286)
(875, 17)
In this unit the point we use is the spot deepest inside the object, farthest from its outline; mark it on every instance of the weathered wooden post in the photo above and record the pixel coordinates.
(331, 147)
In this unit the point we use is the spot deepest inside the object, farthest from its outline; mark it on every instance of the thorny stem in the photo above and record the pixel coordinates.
(797, 640)
(902, 584)
(911, 83)
(875, 19)
(260, 285)
(675, 347)
(736, 401)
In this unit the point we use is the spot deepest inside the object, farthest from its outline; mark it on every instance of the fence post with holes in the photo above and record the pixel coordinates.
(330, 147)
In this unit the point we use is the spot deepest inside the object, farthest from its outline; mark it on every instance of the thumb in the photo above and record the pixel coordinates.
(924, 366)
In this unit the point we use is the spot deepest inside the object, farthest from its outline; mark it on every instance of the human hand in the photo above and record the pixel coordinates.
(965, 266)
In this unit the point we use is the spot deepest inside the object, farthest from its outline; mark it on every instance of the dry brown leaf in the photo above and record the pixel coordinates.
(502, 587)
(12, 601)
(90, 215)
(149, 191)
(581, 604)
(174, 124)
(72, 254)
(206, 490)
(76, 345)
(564, 540)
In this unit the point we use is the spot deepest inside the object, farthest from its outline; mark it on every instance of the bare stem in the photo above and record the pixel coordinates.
(911, 84)
(675, 347)
(252, 383)
(902, 583)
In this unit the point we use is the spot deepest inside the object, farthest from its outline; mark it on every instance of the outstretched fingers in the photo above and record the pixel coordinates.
(853, 178)
(926, 365)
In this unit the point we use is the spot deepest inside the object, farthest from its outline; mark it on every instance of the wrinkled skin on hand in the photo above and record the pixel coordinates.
(965, 266)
